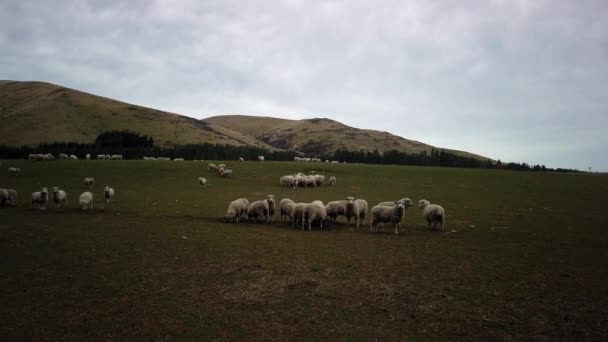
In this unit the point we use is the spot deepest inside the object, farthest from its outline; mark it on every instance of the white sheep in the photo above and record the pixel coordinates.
(297, 214)
(202, 182)
(382, 214)
(406, 201)
(212, 167)
(225, 173)
(108, 193)
(335, 209)
(314, 211)
(258, 210)
(178, 159)
(40, 198)
(59, 197)
(285, 207)
(241, 159)
(221, 165)
(332, 180)
(12, 197)
(271, 206)
(101, 156)
(433, 213)
(88, 156)
(261, 158)
(319, 180)
(89, 182)
(357, 209)
(86, 200)
(73, 157)
(3, 197)
(236, 209)
(15, 171)
(63, 156)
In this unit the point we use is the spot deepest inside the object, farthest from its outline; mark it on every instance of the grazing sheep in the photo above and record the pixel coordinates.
(86, 200)
(335, 209)
(73, 157)
(271, 206)
(59, 197)
(119, 157)
(108, 193)
(261, 158)
(14, 171)
(319, 179)
(101, 156)
(89, 181)
(12, 197)
(297, 214)
(178, 159)
(212, 167)
(40, 198)
(433, 213)
(394, 215)
(241, 159)
(314, 211)
(236, 209)
(258, 210)
(221, 165)
(408, 203)
(3, 197)
(63, 156)
(357, 209)
(285, 207)
(88, 156)
(332, 180)
(202, 182)
(225, 173)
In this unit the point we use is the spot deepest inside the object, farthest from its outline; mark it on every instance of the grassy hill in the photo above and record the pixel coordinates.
(320, 134)
(35, 112)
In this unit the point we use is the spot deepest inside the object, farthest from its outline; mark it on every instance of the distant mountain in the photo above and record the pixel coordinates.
(36, 112)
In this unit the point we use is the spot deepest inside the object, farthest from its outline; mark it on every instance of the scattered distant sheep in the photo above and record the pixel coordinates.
(433, 213)
(241, 159)
(116, 157)
(271, 206)
(357, 209)
(335, 209)
(40, 198)
(73, 157)
(236, 209)
(108, 193)
(382, 214)
(285, 208)
(59, 197)
(212, 167)
(63, 156)
(314, 211)
(15, 171)
(86, 200)
(88, 156)
(89, 182)
(258, 210)
(178, 159)
(332, 180)
(261, 158)
(202, 182)
(101, 156)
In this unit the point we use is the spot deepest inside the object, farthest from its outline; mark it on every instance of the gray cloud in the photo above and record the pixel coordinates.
(515, 80)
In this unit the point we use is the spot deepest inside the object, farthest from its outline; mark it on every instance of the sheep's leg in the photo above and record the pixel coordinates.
(396, 228)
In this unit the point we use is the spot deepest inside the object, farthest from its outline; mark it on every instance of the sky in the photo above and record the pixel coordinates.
(513, 80)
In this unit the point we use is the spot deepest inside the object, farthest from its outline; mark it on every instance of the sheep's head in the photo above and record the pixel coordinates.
(399, 206)
(55, 190)
(270, 199)
(407, 202)
(230, 217)
(423, 203)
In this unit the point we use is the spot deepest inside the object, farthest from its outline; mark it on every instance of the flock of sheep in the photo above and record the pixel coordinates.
(303, 215)
(305, 181)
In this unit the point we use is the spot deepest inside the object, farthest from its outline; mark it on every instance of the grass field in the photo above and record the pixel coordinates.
(528, 258)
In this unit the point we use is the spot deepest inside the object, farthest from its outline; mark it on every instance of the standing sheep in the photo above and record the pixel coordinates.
(12, 197)
(394, 215)
(3, 198)
(225, 173)
(297, 214)
(408, 203)
(40, 198)
(202, 182)
(86, 200)
(332, 180)
(15, 171)
(261, 158)
(59, 197)
(241, 159)
(285, 207)
(433, 213)
(236, 209)
(357, 209)
(314, 211)
(271, 206)
(89, 182)
(258, 210)
(108, 193)
(212, 167)
(335, 209)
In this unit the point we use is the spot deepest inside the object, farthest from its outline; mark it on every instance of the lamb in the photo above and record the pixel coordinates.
(258, 210)
(12, 197)
(285, 207)
(236, 209)
(108, 193)
(3, 198)
(357, 209)
(14, 171)
(89, 181)
(394, 215)
(433, 213)
(59, 197)
(86, 200)
(202, 182)
(332, 180)
(271, 206)
(335, 209)
(212, 167)
(297, 214)
(225, 173)
(40, 198)
(312, 212)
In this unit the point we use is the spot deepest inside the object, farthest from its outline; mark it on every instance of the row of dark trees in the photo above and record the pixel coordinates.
(135, 146)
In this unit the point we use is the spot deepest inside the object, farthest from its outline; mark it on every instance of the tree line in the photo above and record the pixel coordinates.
(135, 146)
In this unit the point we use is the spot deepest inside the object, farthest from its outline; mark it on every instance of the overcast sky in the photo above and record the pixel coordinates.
(511, 80)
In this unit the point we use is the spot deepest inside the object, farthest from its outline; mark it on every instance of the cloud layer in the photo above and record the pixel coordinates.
(515, 80)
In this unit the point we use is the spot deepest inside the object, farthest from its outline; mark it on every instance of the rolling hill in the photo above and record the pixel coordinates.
(36, 112)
